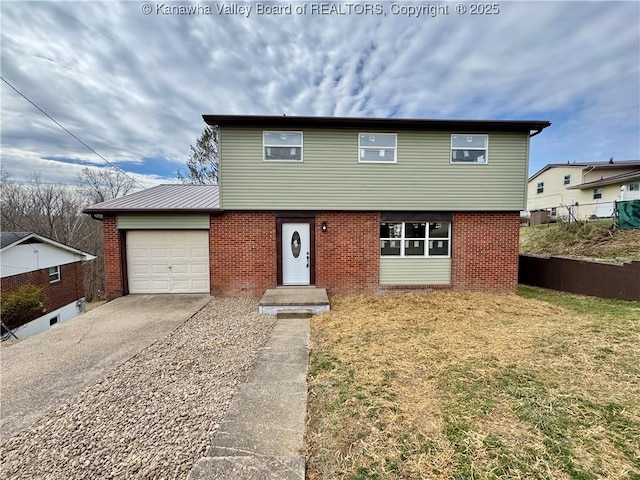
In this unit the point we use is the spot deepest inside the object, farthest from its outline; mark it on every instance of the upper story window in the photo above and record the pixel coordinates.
(54, 274)
(466, 148)
(567, 180)
(540, 187)
(282, 146)
(597, 193)
(634, 187)
(377, 147)
(415, 239)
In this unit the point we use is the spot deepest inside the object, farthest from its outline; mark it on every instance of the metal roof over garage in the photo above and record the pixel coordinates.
(164, 198)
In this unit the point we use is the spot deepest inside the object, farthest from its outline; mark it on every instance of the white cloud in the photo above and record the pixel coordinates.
(134, 86)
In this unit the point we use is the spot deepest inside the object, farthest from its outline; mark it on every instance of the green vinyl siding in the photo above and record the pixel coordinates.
(331, 178)
(415, 271)
(163, 222)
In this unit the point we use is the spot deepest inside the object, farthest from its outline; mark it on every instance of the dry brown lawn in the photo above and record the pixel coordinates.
(583, 240)
(472, 385)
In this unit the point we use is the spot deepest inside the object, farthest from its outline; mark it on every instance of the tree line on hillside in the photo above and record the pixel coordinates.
(55, 211)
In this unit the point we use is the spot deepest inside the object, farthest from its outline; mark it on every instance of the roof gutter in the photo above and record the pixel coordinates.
(96, 217)
(538, 131)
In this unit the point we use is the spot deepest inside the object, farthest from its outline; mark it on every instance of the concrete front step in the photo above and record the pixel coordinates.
(280, 299)
(249, 468)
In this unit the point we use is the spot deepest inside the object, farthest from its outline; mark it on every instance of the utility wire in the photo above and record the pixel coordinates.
(63, 128)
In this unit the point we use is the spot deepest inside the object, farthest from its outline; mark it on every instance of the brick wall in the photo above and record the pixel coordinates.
(484, 253)
(348, 253)
(242, 249)
(243, 258)
(112, 258)
(58, 294)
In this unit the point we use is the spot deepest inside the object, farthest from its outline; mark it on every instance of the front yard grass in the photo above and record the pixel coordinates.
(540, 385)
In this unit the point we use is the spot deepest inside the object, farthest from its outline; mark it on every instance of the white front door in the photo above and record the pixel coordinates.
(296, 254)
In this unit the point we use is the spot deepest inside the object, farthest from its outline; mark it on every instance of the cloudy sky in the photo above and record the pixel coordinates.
(133, 86)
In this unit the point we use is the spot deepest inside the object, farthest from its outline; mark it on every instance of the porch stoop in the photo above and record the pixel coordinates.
(301, 300)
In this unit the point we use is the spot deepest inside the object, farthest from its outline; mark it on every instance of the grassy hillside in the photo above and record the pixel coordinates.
(581, 239)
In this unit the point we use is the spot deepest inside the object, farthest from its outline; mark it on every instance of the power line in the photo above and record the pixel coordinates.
(63, 128)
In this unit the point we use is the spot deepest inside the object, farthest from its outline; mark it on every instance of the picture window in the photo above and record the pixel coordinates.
(415, 239)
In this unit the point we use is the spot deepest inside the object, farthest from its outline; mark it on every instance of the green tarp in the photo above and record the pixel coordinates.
(628, 214)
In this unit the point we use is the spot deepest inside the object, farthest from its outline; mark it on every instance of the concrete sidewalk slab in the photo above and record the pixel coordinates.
(262, 434)
(250, 468)
(40, 373)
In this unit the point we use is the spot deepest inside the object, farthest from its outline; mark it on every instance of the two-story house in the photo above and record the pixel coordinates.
(354, 205)
(583, 190)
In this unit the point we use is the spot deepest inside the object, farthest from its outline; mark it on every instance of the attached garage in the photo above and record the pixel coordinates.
(160, 261)
(157, 240)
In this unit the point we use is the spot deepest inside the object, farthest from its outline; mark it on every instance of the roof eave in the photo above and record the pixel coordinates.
(20, 240)
(603, 182)
(108, 211)
(59, 245)
(274, 121)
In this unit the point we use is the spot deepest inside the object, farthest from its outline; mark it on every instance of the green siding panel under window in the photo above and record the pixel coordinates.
(163, 222)
(331, 178)
(415, 271)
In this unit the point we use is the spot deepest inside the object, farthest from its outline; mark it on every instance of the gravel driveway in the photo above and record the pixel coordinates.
(154, 416)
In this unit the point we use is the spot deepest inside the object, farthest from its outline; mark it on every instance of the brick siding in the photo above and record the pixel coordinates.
(348, 253)
(58, 294)
(243, 258)
(242, 248)
(112, 258)
(485, 249)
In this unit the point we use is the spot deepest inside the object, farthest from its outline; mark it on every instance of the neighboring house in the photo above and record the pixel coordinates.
(30, 259)
(354, 205)
(583, 190)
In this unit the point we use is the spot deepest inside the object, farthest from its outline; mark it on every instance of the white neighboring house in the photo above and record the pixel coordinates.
(583, 190)
(30, 259)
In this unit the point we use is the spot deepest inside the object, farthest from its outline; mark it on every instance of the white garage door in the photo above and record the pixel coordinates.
(168, 261)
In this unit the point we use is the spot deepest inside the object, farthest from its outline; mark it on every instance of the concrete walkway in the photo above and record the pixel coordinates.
(262, 435)
(40, 373)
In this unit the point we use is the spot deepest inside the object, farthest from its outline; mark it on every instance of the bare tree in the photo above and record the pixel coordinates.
(202, 165)
(101, 185)
(51, 210)
(55, 211)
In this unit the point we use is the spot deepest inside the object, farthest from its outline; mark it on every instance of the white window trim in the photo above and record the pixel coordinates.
(596, 191)
(402, 239)
(394, 148)
(564, 180)
(58, 273)
(633, 183)
(540, 187)
(486, 150)
(280, 132)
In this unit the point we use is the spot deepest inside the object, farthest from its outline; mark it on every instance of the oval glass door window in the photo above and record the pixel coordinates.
(295, 244)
